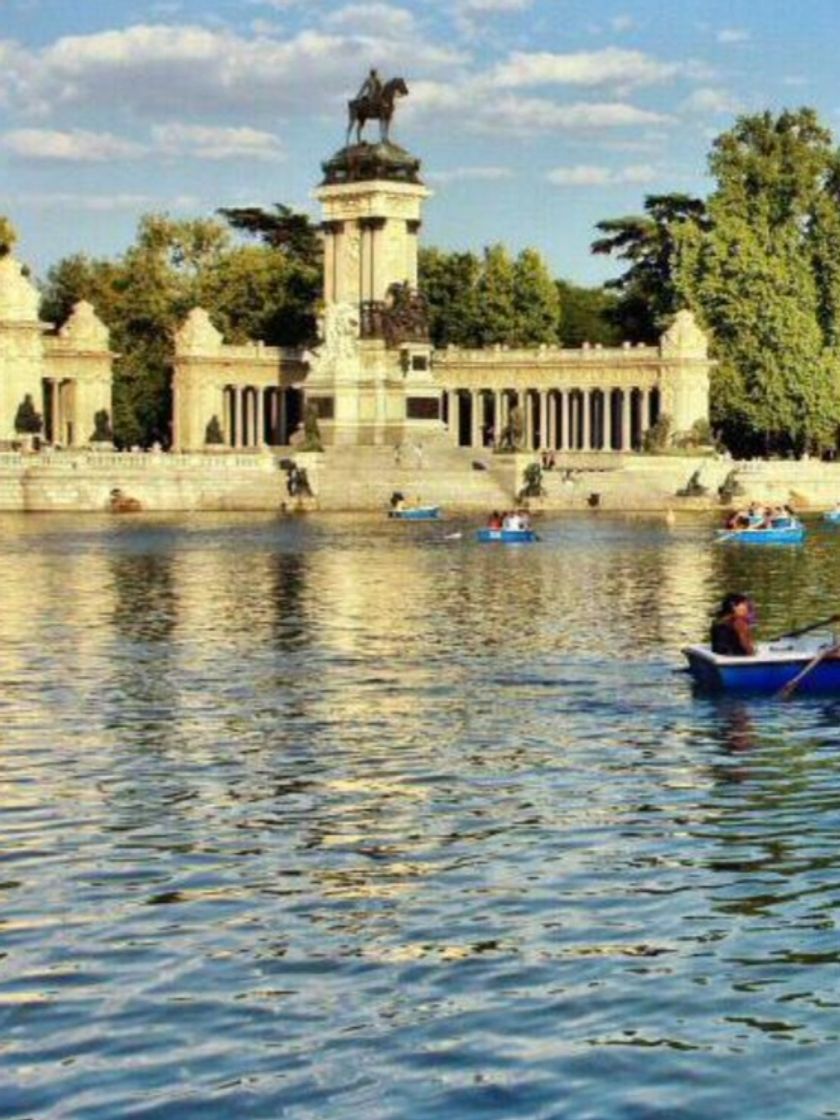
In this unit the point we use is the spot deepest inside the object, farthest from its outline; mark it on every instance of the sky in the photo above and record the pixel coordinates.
(534, 119)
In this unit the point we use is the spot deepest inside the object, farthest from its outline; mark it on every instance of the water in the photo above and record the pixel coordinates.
(337, 817)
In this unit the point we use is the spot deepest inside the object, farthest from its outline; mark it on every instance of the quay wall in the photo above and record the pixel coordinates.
(364, 478)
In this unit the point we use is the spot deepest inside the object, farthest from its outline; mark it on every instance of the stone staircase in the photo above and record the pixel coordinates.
(360, 478)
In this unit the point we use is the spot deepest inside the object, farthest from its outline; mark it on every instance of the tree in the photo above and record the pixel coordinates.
(286, 229)
(536, 301)
(588, 315)
(761, 274)
(449, 281)
(496, 296)
(648, 293)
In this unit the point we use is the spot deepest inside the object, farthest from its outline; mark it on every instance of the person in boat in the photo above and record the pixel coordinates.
(495, 520)
(512, 521)
(397, 501)
(731, 633)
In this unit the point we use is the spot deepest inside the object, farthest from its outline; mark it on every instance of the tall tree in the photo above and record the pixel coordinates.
(536, 301)
(449, 281)
(588, 315)
(762, 275)
(496, 291)
(648, 296)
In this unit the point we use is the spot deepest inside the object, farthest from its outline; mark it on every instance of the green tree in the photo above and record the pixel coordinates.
(536, 301)
(648, 295)
(761, 275)
(449, 282)
(588, 315)
(496, 292)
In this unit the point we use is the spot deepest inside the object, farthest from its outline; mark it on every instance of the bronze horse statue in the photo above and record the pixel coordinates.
(381, 108)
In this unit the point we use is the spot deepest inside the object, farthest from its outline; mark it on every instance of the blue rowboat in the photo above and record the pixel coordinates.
(415, 513)
(768, 671)
(506, 536)
(785, 531)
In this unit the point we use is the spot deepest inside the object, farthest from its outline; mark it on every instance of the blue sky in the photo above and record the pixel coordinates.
(533, 118)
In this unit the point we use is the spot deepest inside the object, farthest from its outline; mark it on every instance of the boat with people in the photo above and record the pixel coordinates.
(733, 661)
(832, 516)
(772, 669)
(398, 510)
(507, 528)
(773, 525)
(415, 513)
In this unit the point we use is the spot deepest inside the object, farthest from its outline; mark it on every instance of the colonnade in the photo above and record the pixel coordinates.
(573, 419)
(256, 416)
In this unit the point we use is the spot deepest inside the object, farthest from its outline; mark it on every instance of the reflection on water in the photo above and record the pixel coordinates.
(336, 816)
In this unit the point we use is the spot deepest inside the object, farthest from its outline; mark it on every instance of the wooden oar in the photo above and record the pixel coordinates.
(806, 629)
(789, 689)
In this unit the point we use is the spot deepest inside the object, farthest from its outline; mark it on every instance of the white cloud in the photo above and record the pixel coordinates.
(583, 68)
(203, 142)
(371, 19)
(158, 70)
(708, 100)
(172, 139)
(622, 23)
(98, 203)
(534, 114)
(478, 109)
(728, 35)
(476, 6)
(75, 146)
(460, 174)
(589, 175)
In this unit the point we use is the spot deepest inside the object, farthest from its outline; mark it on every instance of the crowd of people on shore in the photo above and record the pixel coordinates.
(758, 517)
(516, 520)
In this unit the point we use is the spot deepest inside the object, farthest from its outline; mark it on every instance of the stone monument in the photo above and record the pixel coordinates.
(370, 379)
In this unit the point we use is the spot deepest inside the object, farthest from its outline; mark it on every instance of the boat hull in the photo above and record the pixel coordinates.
(794, 534)
(506, 536)
(417, 513)
(767, 672)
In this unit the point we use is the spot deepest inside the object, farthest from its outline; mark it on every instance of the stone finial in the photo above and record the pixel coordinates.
(684, 338)
(197, 335)
(19, 298)
(84, 328)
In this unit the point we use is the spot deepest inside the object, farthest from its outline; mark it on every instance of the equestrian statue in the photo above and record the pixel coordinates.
(375, 101)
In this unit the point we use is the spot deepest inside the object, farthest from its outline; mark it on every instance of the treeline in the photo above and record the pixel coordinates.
(758, 261)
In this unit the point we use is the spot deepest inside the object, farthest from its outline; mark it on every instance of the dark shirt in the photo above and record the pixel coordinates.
(731, 637)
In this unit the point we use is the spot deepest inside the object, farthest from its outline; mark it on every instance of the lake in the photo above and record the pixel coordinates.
(336, 817)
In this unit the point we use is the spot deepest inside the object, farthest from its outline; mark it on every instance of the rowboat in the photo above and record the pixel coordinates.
(506, 536)
(832, 516)
(768, 670)
(415, 513)
(787, 530)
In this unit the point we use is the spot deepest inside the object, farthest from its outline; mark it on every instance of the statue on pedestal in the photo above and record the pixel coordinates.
(375, 101)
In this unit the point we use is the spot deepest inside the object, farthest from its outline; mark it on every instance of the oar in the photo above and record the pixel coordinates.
(789, 689)
(806, 629)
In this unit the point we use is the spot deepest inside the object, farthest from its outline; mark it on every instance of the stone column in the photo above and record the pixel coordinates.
(545, 432)
(260, 441)
(236, 415)
(551, 409)
(475, 435)
(498, 423)
(626, 430)
(568, 417)
(55, 409)
(587, 420)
